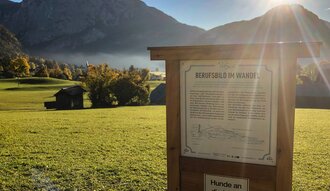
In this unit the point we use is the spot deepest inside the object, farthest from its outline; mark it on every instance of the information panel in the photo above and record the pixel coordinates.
(229, 110)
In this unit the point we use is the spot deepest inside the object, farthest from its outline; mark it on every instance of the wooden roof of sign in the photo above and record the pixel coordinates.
(237, 51)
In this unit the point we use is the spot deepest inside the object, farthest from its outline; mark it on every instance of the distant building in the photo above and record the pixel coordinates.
(68, 98)
(154, 76)
(316, 95)
(324, 77)
(158, 95)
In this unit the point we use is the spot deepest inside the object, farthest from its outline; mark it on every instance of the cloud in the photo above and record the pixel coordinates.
(328, 9)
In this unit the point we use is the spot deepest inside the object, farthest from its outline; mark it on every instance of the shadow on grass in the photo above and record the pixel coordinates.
(36, 88)
(37, 81)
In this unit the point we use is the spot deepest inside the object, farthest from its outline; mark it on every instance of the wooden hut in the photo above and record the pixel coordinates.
(313, 95)
(68, 98)
(157, 96)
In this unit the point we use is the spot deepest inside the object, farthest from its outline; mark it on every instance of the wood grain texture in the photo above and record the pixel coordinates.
(262, 178)
(237, 51)
(173, 124)
(285, 122)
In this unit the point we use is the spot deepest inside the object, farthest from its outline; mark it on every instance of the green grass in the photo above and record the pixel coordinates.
(34, 84)
(30, 94)
(116, 149)
(311, 167)
(100, 149)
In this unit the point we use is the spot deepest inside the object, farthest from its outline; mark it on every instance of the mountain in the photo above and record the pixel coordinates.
(92, 26)
(327, 23)
(100, 29)
(285, 23)
(7, 8)
(9, 45)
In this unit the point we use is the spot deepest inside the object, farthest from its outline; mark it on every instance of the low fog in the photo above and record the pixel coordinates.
(118, 61)
(121, 61)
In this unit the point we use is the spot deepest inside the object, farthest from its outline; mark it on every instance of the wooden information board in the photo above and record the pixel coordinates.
(230, 115)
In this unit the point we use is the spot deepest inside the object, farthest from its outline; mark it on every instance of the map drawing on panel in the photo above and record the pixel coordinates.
(223, 135)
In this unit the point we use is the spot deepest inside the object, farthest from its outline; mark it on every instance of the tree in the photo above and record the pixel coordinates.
(37, 61)
(56, 71)
(67, 73)
(5, 63)
(310, 71)
(124, 89)
(145, 74)
(32, 67)
(42, 71)
(108, 87)
(131, 89)
(20, 66)
(129, 93)
(98, 81)
(77, 74)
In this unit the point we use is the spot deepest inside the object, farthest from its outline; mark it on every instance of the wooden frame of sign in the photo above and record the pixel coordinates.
(189, 170)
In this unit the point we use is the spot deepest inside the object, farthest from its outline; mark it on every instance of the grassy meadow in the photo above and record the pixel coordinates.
(30, 93)
(120, 149)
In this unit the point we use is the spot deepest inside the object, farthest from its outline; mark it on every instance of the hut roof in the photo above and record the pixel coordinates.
(72, 91)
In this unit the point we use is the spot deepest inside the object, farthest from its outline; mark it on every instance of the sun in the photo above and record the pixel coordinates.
(279, 2)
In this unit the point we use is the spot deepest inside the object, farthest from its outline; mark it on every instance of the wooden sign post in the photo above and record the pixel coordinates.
(230, 115)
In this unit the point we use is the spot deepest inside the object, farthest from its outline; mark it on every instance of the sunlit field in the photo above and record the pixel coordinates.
(311, 162)
(101, 149)
(30, 93)
(116, 149)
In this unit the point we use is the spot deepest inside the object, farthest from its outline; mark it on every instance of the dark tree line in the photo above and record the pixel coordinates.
(38, 67)
(51, 68)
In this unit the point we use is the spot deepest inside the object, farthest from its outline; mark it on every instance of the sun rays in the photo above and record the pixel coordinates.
(306, 33)
(281, 2)
(304, 28)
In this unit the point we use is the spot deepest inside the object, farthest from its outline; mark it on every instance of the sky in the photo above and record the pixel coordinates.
(208, 14)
